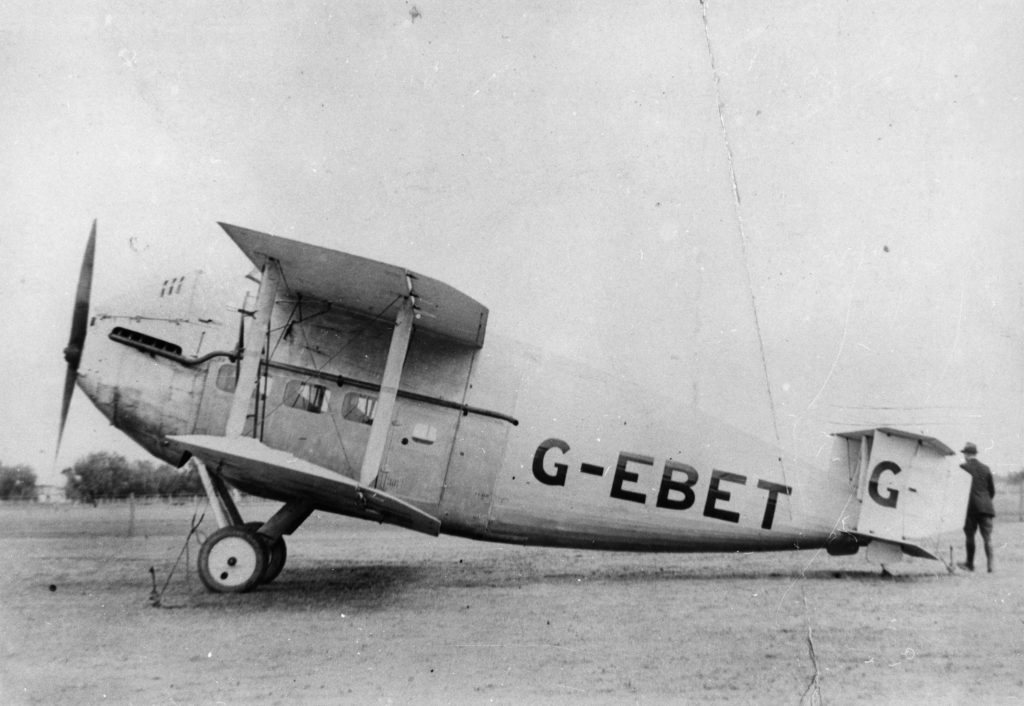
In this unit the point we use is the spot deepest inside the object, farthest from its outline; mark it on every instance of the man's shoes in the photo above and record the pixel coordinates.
(965, 566)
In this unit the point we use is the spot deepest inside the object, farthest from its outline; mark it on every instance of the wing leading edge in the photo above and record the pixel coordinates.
(258, 469)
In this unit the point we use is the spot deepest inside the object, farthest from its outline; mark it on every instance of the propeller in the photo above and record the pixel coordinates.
(79, 322)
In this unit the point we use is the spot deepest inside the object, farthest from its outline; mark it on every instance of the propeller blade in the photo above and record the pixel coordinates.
(79, 323)
(69, 388)
(80, 317)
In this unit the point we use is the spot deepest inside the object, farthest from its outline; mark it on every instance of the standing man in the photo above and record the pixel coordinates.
(979, 508)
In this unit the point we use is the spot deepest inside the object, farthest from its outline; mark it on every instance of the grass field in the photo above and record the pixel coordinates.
(374, 614)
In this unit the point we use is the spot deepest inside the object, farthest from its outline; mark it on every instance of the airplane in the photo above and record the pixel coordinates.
(356, 387)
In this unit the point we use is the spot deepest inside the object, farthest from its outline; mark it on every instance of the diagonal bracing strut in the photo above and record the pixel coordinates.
(384, 413)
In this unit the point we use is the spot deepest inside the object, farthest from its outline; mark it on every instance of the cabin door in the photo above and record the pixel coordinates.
(419, 448)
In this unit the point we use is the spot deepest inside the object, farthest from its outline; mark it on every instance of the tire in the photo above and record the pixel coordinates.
(277, 552)
(232, 560)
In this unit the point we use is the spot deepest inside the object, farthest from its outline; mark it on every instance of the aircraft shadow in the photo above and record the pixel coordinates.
(380, 586)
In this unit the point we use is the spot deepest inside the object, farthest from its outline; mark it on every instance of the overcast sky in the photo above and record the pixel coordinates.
(820, 200)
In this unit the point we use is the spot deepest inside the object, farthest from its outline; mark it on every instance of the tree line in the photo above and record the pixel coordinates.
(17, 483)
(104, 476)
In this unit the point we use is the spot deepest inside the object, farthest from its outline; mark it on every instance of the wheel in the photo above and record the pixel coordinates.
(277, 552)
(232, 560)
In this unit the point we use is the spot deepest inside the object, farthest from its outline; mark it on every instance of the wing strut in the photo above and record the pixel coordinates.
(224, 509)
(385, 410)
(248, 374)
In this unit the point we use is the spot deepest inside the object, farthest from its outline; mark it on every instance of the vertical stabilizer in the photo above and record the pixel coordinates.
(907, 490)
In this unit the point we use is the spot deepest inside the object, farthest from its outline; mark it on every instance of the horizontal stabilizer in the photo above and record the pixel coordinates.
(909, 548)
(258, 469)
(366, 286)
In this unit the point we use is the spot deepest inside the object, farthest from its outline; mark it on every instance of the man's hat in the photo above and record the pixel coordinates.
(970, 448)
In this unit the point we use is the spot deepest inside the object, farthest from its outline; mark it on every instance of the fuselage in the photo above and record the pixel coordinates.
(504, 442)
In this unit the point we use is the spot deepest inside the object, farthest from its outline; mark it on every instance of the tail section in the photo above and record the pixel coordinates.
(907, 491)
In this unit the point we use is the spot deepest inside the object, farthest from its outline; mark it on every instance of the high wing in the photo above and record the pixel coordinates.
(369, 288)
(256, 468)
(365, 286)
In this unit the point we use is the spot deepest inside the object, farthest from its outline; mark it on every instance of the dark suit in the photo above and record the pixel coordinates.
(980, 510)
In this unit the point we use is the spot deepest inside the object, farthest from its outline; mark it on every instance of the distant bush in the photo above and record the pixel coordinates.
(17, 483)
(103, 475)
(1016, 478)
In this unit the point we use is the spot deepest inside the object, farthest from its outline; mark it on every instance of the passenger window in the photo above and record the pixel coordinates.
(358, 407)
(424, 433)
(305, 396)
(227, 377)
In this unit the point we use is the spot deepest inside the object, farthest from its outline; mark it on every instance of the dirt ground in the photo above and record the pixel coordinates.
(373, 614)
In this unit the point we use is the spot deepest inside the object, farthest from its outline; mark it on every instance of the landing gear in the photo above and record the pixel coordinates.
(236, 559)
(232, 560)
(241, 555)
